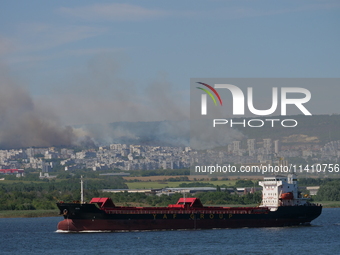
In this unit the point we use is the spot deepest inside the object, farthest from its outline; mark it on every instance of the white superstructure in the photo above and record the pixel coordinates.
(281, 191)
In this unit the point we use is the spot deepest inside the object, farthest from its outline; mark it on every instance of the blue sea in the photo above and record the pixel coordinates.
(39, 236)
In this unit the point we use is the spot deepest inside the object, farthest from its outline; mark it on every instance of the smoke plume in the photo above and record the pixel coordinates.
(24, 124)
(102, 108)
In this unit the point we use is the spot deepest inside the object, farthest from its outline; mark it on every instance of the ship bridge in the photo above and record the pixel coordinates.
(281, 191)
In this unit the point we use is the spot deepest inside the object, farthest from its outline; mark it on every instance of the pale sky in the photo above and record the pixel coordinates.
(105, 61)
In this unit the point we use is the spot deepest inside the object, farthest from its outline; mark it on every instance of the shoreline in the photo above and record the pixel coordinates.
(328, 204)
(29, 213)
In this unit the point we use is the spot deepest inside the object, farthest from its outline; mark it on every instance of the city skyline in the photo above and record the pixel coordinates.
(145, 157)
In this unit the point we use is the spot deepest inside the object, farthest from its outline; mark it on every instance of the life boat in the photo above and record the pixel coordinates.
(287, 196)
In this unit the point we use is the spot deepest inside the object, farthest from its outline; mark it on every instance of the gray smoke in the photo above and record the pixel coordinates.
(154, 116)
(102, 107)
(97, 96)
(23, 124)
(203, 136)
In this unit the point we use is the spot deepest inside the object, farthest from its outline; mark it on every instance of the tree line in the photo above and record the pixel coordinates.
(44, 195)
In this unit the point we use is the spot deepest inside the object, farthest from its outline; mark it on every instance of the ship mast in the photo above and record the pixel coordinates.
(81, 190)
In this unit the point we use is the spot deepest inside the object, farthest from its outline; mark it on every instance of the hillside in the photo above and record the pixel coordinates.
(312, 129)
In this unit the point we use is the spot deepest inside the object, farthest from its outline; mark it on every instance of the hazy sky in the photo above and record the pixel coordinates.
(105, 61)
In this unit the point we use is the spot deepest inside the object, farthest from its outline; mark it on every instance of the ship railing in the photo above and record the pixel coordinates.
(192, 211)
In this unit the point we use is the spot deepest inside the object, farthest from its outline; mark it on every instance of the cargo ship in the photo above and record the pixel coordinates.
(282, 205)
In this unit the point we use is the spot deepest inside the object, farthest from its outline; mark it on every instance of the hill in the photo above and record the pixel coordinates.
(310, 129)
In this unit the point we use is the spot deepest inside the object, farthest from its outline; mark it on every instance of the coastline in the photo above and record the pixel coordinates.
(29, 213)
(328, 204)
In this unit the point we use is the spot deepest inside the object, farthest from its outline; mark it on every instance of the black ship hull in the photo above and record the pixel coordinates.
(89, 217)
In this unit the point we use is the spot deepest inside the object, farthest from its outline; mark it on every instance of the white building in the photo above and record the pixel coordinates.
(276, 146)
(251, 146)
(267, 145)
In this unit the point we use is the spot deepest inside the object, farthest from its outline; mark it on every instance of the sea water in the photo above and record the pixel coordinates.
(39, 236)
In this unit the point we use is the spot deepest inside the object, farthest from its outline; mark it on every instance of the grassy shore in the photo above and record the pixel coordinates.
(28, 213)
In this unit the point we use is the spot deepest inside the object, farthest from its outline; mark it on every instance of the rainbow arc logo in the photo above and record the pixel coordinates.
(204, 97)
(209, 93)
